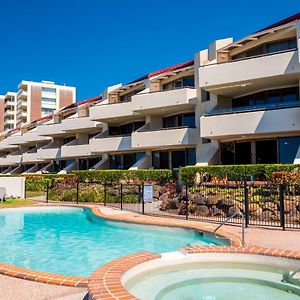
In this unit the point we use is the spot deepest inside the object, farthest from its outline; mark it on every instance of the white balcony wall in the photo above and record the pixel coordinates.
(106, 112)
(79, 124)
(164, 100)
(111, 144)
(250, 123)
(77, 151)
(50, 129)
(249, 69)
(165, 138)
(30, 157)
(50, 151)
(11, 160)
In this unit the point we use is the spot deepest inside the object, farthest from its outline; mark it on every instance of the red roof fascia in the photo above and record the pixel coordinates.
(89, 100)
(282, 22)
(165, 70)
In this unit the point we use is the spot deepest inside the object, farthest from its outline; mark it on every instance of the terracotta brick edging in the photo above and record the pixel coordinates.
(43, 277)
(105, 283)
(255, 250)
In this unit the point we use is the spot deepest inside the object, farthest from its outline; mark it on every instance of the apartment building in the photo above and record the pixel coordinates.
(33, 101)
(236, 102)
(253, 113)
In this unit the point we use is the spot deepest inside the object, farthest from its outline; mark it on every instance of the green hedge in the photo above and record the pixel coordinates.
(126, 175)
(235, 172)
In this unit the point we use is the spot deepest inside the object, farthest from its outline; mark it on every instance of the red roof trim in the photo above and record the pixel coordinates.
(165, 70)
(282, 22)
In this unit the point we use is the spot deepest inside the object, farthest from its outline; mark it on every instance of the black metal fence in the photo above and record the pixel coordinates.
(267, 205)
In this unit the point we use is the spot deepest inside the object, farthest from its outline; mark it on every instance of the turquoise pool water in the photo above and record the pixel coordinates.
(213, 281)
(72, 241)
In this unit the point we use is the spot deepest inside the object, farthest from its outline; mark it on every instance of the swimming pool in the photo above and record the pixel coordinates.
(213, 277)
(73, 241)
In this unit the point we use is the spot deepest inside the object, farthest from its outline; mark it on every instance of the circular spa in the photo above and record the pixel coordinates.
(73, 241)
(214, 276)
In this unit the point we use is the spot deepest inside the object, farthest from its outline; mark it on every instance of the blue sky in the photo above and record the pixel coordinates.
(92, 44)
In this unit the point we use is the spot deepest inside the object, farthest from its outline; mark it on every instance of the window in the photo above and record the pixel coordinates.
(266, 152)
(275, 97)
(177, 158)
(124, 161)
(48, 101)
(127, 96)
(187, 120)
(48, 90)
(288, 148)
(268, 48)
(47, 111)
(186, 81)
(125, 129)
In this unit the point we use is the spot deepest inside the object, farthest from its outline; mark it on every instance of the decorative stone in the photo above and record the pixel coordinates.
(202, 211)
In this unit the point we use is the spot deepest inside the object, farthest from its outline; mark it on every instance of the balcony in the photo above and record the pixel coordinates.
(31, 158)
(22, 94)
(9, 103)
(248, 71)
(74, 149)
(165, 137)
(164, 101)
(110, 113)
(11, 159)
(33, 137)
(51, 129)
(220, 124)
(80, 124)
(50, 151)
(103, 144)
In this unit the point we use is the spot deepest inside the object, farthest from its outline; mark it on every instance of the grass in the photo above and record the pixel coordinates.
(16, 203)
(30, 194)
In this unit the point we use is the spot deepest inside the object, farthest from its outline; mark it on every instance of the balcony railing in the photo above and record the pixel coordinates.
(242, 109)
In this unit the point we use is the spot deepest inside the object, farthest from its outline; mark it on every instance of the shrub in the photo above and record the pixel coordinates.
(125, 175)
(234, 172)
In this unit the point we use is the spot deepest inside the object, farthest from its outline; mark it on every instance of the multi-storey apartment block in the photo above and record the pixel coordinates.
(34, 100)
(235, 103)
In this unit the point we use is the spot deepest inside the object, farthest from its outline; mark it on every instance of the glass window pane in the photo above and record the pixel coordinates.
(191, 157)
(243, 153)
(266, 152)
(227, 153)
(288, 148)
(178, 159)
(189, 120)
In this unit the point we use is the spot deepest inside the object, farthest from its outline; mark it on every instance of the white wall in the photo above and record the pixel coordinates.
(15, 186)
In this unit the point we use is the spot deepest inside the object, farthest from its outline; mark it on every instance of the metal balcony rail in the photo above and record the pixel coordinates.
(244, 109)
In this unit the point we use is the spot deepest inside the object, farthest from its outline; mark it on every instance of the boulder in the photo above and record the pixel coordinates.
(202, 211)
(271, 206)
(199, 199)
(232, 210)
(168, 204)
(266, 215)
(225, 202)
(253, 207)
(289, 205)
(213, 200)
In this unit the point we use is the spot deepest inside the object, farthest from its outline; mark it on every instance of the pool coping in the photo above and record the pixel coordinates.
(105, 283)
(78, 281)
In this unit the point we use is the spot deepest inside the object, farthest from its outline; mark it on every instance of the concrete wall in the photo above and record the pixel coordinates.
(15, 186)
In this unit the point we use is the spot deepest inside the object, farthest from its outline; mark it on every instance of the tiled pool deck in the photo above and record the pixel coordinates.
(264, 240)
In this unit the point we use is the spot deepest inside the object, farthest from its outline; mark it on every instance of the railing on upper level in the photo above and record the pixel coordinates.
(244, 109)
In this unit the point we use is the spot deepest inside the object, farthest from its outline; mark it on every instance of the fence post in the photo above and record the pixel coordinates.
(281, 205)
(121, 196)
(47, 192)
(105, 193)
(143, 203)
(246, 198)
(77, 191)
(186, 203)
